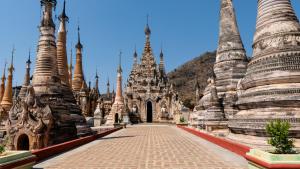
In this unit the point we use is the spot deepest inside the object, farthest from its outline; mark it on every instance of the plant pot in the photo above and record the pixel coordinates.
(17, 160)
(116, 125)
(182, 124)
(258, 159)
(123, 125)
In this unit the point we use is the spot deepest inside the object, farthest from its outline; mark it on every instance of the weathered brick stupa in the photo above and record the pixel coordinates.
(231, 60)
(118, 110)
(7, 100)
(271, 87)
(48, 114)
(229, 68)
(2, 84)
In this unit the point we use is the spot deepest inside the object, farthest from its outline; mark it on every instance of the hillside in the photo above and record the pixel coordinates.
(184, 77)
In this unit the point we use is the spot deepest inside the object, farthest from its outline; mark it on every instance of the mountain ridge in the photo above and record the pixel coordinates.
(185, 76)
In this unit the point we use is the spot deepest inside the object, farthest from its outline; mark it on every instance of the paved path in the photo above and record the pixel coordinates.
(149, 147)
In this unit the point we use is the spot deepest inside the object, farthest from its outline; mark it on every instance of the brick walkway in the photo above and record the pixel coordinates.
(147, 146)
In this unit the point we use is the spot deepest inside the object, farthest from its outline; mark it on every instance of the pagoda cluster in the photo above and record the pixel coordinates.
(244, 94)
(54, 102)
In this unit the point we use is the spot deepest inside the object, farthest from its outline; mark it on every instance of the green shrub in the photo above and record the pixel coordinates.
(182, 120)
(2, 149)
(279, 131)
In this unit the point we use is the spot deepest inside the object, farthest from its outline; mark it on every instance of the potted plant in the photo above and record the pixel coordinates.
(182, 121)
(283, 154)
(15, 159)
(122, 123)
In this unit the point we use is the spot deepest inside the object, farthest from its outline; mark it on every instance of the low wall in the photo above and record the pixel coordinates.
(236, 148)
(47, 152)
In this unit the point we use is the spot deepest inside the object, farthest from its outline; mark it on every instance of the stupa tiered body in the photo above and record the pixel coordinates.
(229, 68)
(48, 114)
(149, 96)
(271, 87)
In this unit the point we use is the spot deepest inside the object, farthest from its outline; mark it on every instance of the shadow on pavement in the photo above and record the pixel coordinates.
(117, 137)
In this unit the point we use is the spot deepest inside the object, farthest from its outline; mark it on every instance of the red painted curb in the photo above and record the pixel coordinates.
(47, 152)
(237, 148)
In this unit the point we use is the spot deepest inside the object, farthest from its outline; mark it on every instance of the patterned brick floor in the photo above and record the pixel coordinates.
(149, 147)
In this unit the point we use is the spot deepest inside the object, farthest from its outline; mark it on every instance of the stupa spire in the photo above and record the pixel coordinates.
(71, 68)
(97, 81)
(108, 88)
(147, 48)
(62, 60)
(27, 76)
(78, 78)
(120, 67)
(161, 63)
(135, 58)
(2, 85)
(229, 35)
(231, 59)
(26, 83)
(7, 99)
(119, 96)
(78, 45)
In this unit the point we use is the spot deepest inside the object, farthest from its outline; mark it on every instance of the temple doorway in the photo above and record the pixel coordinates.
(116, 118)
(149, 112)
(23, 142)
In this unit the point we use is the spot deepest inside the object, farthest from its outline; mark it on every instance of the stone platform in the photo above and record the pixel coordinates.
(147, 146)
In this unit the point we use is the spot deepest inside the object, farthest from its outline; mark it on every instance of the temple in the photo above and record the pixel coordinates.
(149, 96)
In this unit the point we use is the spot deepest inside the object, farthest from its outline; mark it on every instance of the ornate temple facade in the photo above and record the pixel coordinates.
(47, 114)
(271, 87)
(218, 102)
(149, 97)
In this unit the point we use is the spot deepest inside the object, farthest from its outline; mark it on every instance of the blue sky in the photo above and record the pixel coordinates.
(185, 29)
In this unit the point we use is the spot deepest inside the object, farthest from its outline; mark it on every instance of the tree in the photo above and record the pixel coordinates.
(279, 131)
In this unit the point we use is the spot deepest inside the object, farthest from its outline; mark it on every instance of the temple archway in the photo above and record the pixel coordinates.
(149, 112)
(116, 118)
(23, 142)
